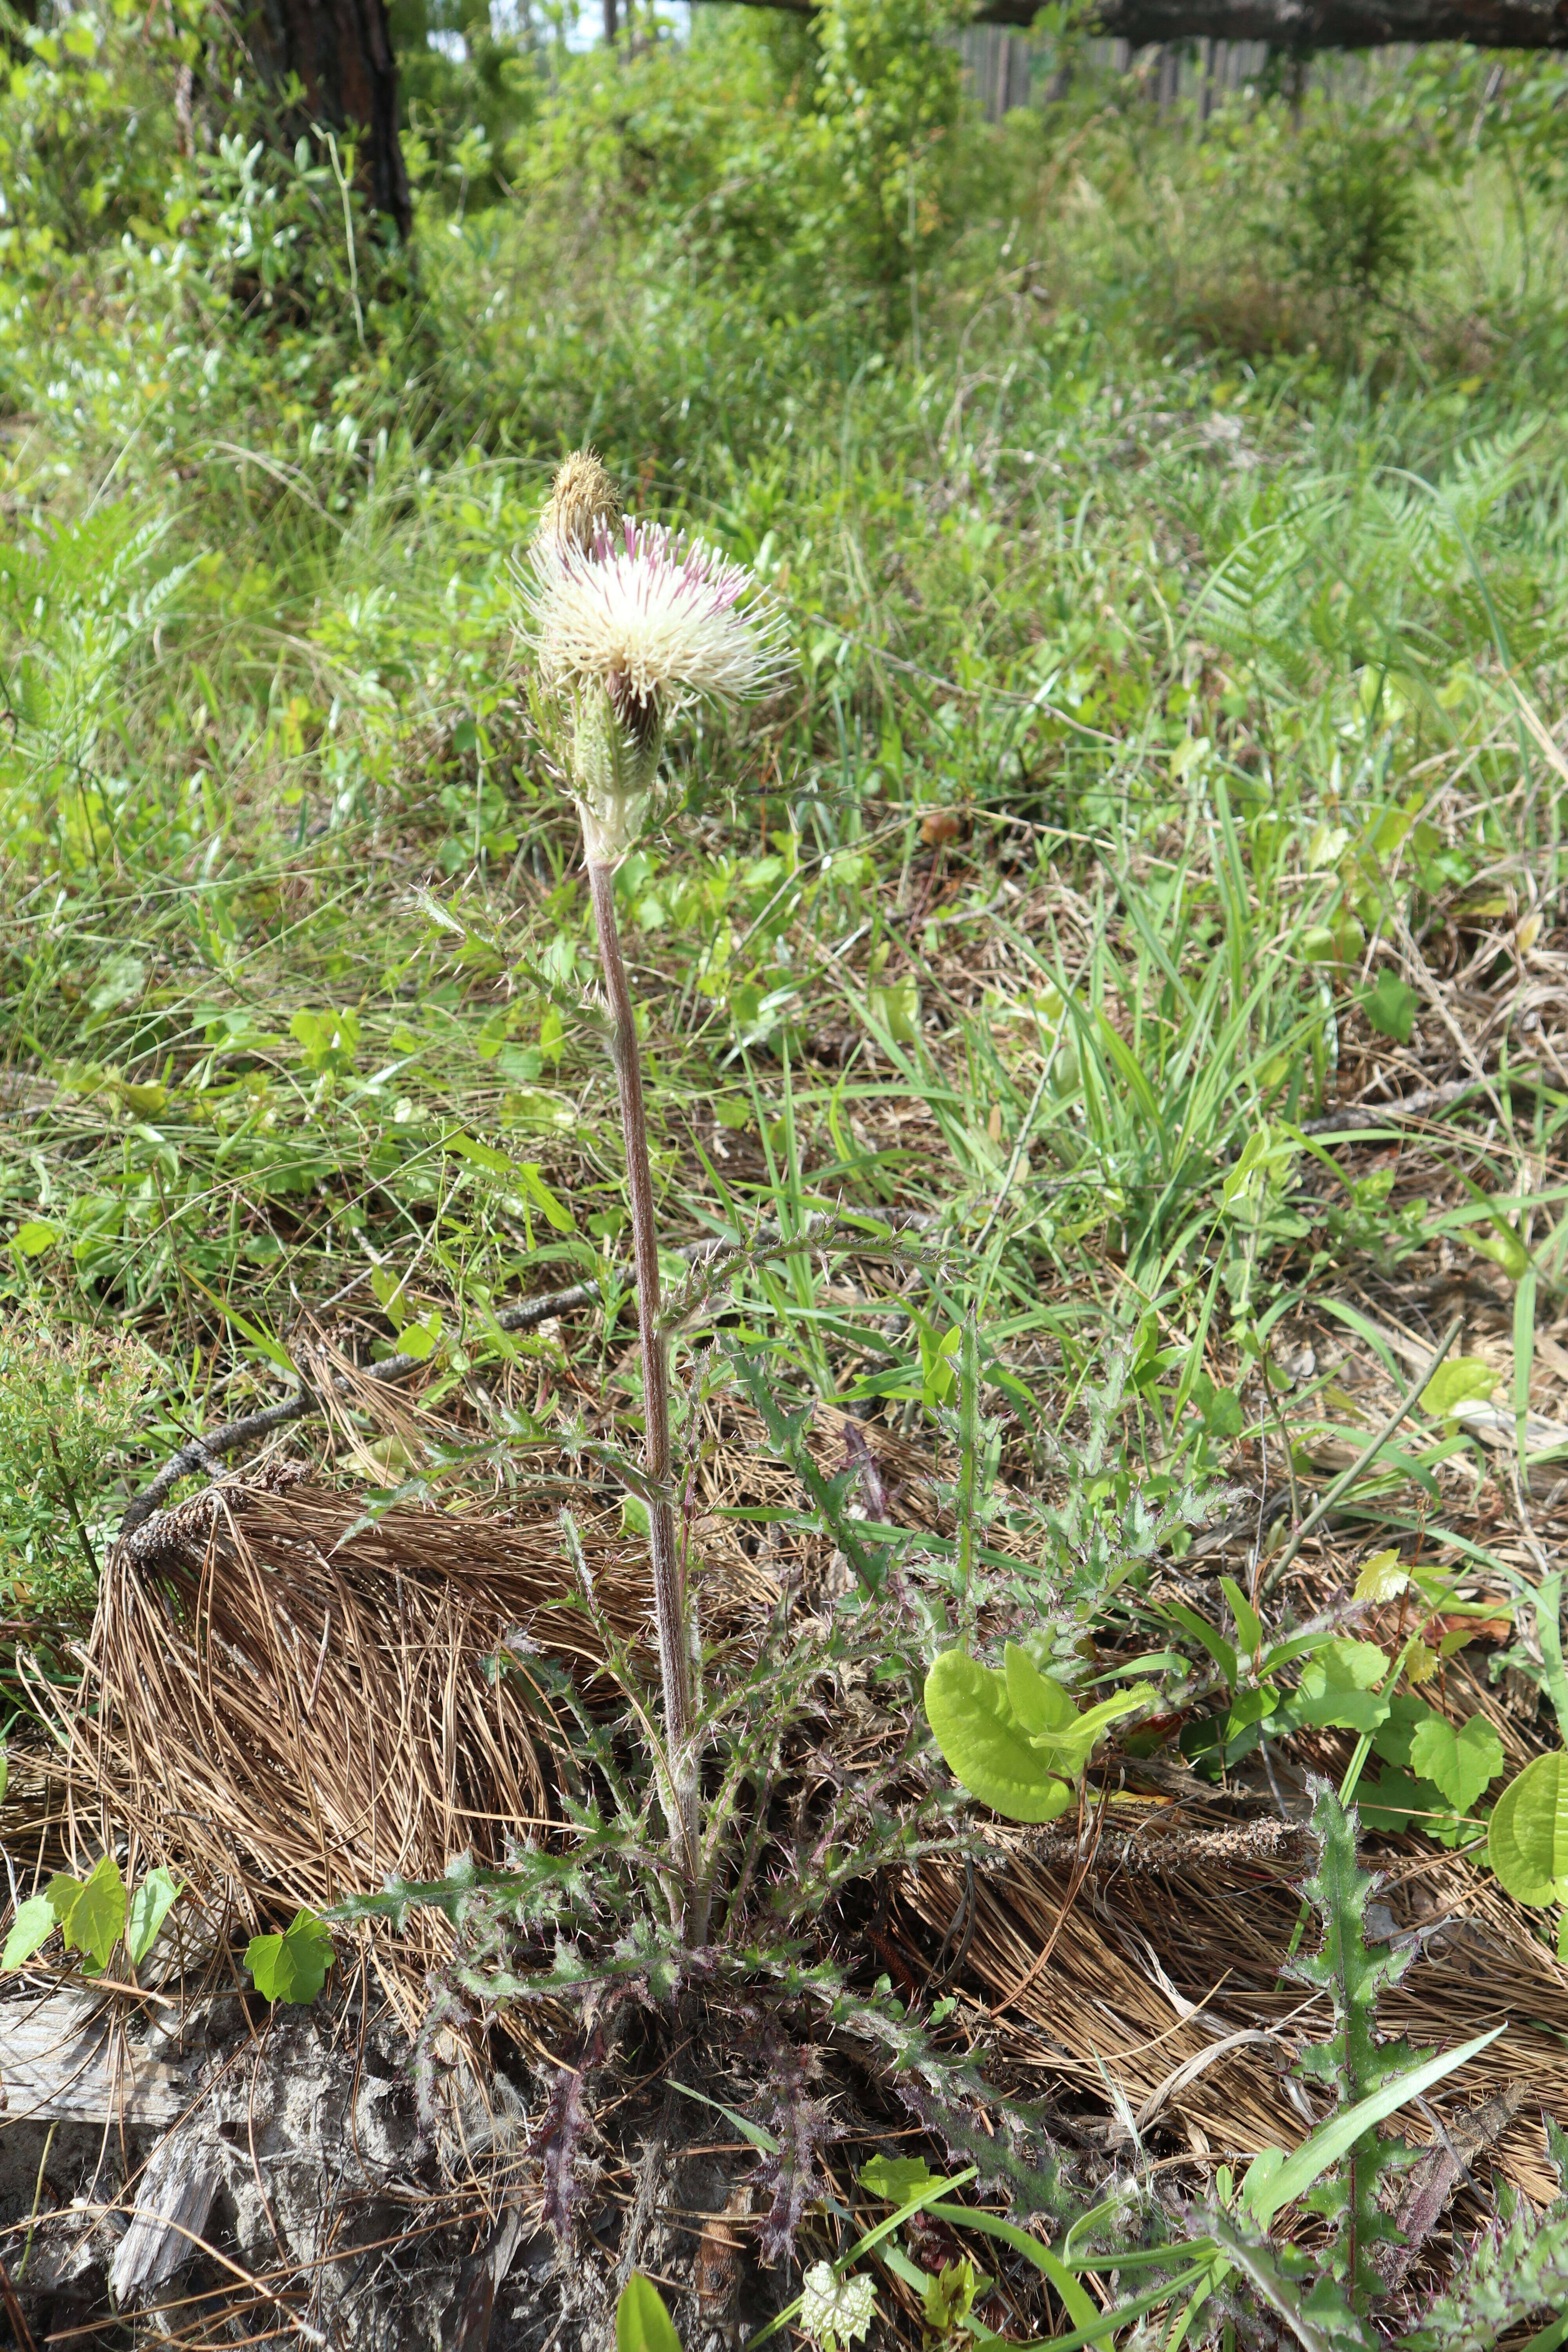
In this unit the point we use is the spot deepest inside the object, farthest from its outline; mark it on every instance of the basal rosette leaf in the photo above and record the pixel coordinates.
(1038, 1702)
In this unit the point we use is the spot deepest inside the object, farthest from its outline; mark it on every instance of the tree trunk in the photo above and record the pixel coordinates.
(1298, 23)
(342, 52)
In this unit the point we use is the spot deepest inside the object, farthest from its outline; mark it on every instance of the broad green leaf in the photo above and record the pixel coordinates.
(149, 1907)
(1037, 1700)
(1463, 1379)
(1336, 1687)
(91, 1911)
(1252, 1706)
(33, 1925)
(1461, 1758)
(143, 1102)
(642, 2322)
(896, 2178)
(1248, 1624)
(1388, 1804)
(293, 1966)
(34, 1237)
(1269, 2187)
(1390, 1006)
(1384, 1575)
(420, 1339)
(986, 1748)
(1527, 1842)
(1406, 1713)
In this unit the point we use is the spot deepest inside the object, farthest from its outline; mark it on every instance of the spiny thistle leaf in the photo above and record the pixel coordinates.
(801, 2124)
(1352, 2061)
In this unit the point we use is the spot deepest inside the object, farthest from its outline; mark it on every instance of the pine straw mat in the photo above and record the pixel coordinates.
(1156, 1987)
(288, 1701)
(292, 1709)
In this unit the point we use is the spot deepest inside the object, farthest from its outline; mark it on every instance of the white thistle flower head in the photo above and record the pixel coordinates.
(630, 630)
(652, 616)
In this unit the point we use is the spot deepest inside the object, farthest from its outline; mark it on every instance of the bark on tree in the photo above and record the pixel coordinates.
(1298, 23)
(342, 52)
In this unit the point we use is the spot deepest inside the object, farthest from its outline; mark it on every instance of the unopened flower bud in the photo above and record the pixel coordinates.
(585, 506)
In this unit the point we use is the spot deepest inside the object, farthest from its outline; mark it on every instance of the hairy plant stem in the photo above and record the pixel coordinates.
(669, 1588)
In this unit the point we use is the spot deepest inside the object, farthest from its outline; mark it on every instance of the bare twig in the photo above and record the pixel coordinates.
(14, 2312)
(205, 1453)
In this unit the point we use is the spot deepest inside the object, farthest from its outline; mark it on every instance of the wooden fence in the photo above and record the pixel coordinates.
(1009, 69)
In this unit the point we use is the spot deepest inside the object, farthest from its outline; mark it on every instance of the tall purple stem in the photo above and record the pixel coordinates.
(668, 1590)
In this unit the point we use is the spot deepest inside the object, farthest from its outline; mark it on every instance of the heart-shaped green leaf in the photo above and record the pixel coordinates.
(1463, 1379)
(91, 1912)
(1336, 1688)
(1527, 1842)
(150, 1907)
(292, 1966)
(1460, 1758)
(987, 1749)
(33, 1925)
(896, 2178)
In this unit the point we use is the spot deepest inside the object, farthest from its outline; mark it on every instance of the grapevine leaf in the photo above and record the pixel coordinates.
(291, 1967)
(1461, 1758)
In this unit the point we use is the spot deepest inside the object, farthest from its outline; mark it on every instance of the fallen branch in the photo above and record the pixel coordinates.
(1355, 1116)
(205, 1453)
(1294, 25)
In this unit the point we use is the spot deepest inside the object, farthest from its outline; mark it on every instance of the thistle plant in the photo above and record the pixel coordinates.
(631, 623)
